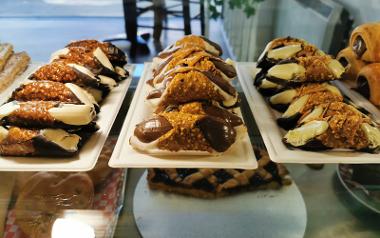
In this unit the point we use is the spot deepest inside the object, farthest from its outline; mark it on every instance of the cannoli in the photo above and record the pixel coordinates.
(302, 100)
(17, 141)
(98, 86)
(53, 91)
(215, 183)
(15, 65)
(190, 41)
(96, 61)
(114, 54)
(368, 82)
(200, 60)
(186, 84)
(351, 63)
(196, 128)
(335, 126)
(282, 100)
(266, 87)
(6, 51)
(365, 42)
(43, 114)
(285, 48)
(311, 69)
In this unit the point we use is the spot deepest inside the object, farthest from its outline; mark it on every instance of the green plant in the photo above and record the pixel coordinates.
(248, 6)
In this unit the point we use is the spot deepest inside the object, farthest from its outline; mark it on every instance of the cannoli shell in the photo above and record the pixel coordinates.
(371, 73)
(370, 33)
(354, 63)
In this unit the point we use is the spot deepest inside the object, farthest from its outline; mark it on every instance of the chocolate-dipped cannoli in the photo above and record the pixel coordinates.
(53, 91)
(190, 41)
(96, 61)
(304, 100)
(43, 114)
(200, 60)
(98, 86)
(311, 69)
(365, 42)
(17, 141)
(187, 84)
(325, 91)
(114, 54)
(335, 125)
(266, 87)
(285, 48)
(351, 63)
(192, 128)
(368, 82)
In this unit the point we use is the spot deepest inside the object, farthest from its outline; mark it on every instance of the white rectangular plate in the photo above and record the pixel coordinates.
(88, 155)
(240, 155)
(272, 134)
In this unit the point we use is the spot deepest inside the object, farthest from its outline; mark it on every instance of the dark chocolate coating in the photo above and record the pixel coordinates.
(312, 145)
(279, 107)
(288, 123)
(225, 115)
(343, 61)
(217, 47)
(362, 87)
(227, 69)
(359, 46)
(219, 134)
(152, 129)
(222, 83)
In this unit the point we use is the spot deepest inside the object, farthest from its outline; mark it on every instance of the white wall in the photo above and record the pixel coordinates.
(362, 10)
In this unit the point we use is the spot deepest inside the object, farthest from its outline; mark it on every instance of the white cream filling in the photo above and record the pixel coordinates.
(373, 135)
(296, 106)
(110, 82)
(81, 94)
(8, 108)
(336, 67)
(266, 84)
(72, 114)
(3, 133)
(284, 97)
(68, 142)
(286, 71)
(301, 135)
(96, 93)
(58, 53)
(83, 70)
(120, 71)
(332, 89)
(313, 115)
(284, 52)
(103, 59)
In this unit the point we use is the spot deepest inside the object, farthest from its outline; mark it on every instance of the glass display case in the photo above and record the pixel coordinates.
(265, 126)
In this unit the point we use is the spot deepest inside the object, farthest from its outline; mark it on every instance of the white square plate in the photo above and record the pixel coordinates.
(88, 155)
(272, 134)
(240, 155)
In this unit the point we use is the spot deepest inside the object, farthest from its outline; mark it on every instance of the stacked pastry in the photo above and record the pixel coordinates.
(193, 100)
(54, 112)
(295, 77)
(362, 60)
(11, 64)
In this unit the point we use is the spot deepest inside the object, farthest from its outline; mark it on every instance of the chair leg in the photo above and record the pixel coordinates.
(159, 16)
(130, 19)
(202, 16)
(186, 16)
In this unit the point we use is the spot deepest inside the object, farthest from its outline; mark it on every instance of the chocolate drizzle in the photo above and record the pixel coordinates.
(152, 129)
(359, 46)
(218, 133)
(227, 69)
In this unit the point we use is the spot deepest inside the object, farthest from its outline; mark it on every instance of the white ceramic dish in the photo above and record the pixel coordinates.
(267, 213)
(240, 155)
(89, 153)
(272, 135)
